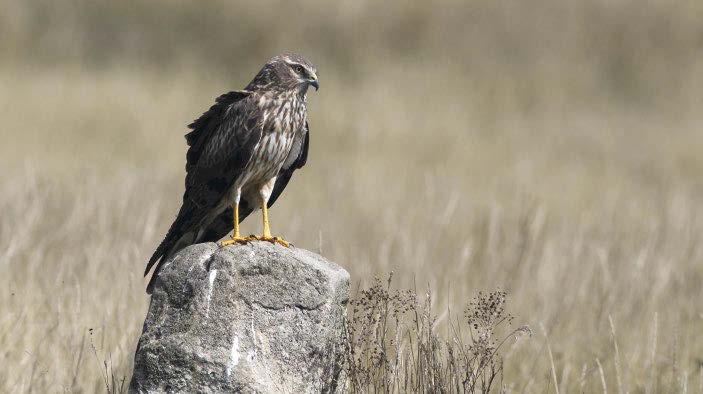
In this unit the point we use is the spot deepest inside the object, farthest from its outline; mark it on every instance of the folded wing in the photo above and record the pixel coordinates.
(220, 144)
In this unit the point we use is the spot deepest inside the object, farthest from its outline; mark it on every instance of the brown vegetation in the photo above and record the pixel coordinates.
(393, 344)
(549, 148)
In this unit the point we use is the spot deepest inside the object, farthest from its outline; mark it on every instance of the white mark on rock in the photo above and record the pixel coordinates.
(169, 262)
(233, 355)
(213, 274)
(211, 280)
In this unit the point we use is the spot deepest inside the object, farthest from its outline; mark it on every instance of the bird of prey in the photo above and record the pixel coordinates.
(242, 153)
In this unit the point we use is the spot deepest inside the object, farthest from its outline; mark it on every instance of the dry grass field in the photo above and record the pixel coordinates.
(552, 149)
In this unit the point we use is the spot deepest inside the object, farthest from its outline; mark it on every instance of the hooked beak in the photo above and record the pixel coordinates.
(315, 83)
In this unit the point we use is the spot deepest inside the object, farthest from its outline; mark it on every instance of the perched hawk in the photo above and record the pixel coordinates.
(242, 153)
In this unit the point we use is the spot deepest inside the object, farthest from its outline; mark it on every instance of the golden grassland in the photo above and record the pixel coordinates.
(552, 150)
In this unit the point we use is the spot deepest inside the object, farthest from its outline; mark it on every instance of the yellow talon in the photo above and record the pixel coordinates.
(266, 236)
(267, 230)
(233, 241)
(281, 241)
(273, 240)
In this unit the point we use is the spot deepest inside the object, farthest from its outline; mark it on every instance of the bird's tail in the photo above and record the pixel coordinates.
(184, 232)
(180, 235)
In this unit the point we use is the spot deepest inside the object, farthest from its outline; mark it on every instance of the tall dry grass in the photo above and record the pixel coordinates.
(548, 148)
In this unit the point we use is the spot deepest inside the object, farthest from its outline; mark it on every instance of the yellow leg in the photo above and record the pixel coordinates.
(267, 229)
(236, 238)
(235, 221)
(267, 226)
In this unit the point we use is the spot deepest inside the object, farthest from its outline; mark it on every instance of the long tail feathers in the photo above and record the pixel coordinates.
(172, 242)
(181, 234)
(169, 250)
(160, 256)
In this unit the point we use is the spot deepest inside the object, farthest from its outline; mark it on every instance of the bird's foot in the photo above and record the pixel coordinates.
(234, 241)
(273, 240)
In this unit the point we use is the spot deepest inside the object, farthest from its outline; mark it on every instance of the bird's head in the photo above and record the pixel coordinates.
(287, 71)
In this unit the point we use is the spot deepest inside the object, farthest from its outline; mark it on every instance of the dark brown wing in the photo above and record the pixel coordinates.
(203, 127)
(222, 225)
(221, 144)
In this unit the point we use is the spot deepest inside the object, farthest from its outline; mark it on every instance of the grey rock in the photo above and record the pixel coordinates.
(245, 318)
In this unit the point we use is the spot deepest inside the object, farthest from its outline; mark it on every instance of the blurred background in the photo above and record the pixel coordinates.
(550, 148)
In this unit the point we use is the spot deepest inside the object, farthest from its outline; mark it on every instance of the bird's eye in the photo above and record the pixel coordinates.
(299, 69)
